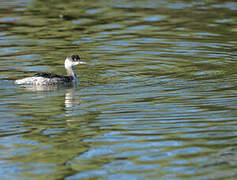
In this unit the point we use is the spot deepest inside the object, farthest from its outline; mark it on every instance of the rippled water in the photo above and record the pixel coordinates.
(156, 100)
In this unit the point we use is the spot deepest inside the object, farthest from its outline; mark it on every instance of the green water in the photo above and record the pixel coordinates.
(156, 100)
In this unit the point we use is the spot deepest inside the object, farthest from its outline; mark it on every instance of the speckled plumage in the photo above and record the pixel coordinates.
(51, 76)
(39, 80)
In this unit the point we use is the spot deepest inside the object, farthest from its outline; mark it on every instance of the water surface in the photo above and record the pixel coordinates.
(156, 100)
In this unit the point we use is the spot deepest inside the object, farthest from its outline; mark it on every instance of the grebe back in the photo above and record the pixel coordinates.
(45, 78)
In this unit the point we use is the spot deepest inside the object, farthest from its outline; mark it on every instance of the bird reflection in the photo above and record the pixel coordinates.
(70, 99)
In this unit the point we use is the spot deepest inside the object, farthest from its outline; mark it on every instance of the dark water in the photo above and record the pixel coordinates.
(156, 100)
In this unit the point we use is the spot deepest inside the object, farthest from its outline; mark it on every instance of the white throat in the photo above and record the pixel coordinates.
(70, 69)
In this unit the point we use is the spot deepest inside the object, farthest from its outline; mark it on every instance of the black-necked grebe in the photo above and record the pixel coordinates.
(44, 78)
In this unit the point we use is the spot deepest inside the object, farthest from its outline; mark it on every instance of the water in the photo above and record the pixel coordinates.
(156, 100)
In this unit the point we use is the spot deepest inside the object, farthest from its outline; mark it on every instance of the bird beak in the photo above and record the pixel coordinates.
(81, 62)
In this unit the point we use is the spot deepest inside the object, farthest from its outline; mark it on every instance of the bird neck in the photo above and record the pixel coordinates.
(71, 72)
(70, 69)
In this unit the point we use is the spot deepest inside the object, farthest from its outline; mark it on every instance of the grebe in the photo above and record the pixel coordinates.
(45, 78)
